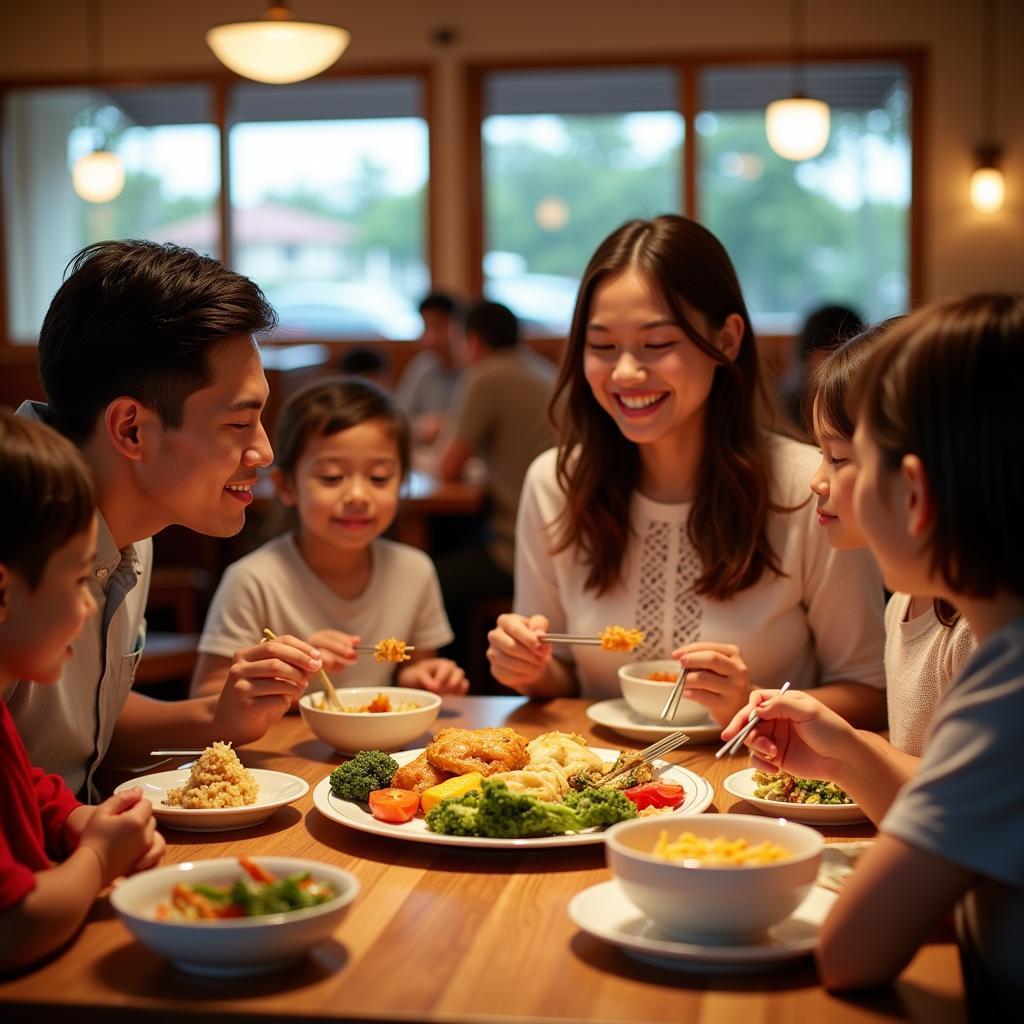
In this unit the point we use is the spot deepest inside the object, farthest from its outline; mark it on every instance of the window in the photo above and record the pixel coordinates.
(831, 229)
(328, 203)
(568, 155)
(326, 190)
(172, 179)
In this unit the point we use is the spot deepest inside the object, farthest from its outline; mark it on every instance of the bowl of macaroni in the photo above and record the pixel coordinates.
(370, 717)
(646, 686)
(717, 878)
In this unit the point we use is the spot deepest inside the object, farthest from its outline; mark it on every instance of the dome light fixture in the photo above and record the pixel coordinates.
(797, 127)
(97, 177)
(988, 189)
(278, 49)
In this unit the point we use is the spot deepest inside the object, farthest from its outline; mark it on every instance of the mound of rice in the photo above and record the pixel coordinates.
(218, 779)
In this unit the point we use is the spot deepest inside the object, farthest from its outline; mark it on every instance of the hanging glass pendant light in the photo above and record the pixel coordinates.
(797, 127)
(98, 176)
(988, 189)
(277, 49)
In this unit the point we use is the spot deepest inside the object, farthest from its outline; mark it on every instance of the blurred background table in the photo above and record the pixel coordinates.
(446, 934)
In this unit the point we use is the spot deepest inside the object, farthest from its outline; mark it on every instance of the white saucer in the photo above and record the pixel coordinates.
(605, 912)
(621, 718)
(742, 784)
(276, 789)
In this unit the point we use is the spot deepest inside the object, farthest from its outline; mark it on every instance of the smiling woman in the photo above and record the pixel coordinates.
(670, 504)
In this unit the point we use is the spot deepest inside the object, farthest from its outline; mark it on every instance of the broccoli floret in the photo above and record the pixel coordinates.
(367, 771)
(597, 807)
(455, 816)
(507, 815)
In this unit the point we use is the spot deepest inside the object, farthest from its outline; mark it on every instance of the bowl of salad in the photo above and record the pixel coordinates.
(235, 916)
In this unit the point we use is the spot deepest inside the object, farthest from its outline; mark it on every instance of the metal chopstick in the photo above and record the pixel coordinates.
(733, 745)
(672, 704)
(662, 746)
(568, 638)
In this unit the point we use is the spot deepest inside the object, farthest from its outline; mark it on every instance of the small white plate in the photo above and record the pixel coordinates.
(605, 912)
(697, 791)
(276, 789)
(620, 717)
(742, 784)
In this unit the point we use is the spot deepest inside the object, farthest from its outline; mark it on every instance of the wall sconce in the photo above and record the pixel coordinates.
(798, 127)
(97, 177)
(278, 49)
(988, 188)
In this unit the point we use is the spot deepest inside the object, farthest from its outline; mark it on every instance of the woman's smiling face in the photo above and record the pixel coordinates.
(642, 368)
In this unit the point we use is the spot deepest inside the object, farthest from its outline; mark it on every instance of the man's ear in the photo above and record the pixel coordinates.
(124, 421)
(920, 507)
(285, 487)
(730, 336)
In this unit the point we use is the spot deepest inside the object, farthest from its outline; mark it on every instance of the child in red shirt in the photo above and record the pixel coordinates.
(47, 545)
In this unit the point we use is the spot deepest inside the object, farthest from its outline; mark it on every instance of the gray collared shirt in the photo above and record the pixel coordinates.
(67, 726)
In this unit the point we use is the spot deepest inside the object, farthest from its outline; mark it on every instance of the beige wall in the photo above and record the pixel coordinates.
(962, 250)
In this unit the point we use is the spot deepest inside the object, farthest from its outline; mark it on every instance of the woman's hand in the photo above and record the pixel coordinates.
(797, 734)
(337, 649)
(517, 655)
(716, 676)
(438, 675)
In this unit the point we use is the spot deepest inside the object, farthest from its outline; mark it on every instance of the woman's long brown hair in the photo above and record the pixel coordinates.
(598, 468)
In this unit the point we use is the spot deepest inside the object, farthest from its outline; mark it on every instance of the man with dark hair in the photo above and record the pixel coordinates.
(499, 414)
(425, 390)
(149, 364)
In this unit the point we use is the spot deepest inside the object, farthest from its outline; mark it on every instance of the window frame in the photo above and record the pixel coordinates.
(220, 86)
(688, 67)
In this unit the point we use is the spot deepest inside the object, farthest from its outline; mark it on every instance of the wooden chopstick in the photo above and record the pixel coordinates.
(372, 648)
(332, 694)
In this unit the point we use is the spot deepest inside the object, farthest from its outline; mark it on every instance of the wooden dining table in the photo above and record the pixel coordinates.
(444, 933)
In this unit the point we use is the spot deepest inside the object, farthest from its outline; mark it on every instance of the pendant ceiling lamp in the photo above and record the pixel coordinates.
(797, 127)
(98, 176)
(987, 186)
(278, 49)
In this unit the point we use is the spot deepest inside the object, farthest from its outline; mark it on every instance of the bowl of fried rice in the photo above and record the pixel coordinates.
(370, 717)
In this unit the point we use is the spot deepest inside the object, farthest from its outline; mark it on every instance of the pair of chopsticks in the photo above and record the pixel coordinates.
(332, 694)
(645, 756)
(733, 745)
(570, 638)
(672, 704)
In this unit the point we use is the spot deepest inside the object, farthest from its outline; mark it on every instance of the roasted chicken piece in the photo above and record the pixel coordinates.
(486, 751)
(419, 775)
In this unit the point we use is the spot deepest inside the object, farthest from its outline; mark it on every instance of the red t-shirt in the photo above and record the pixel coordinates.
(33, 809)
